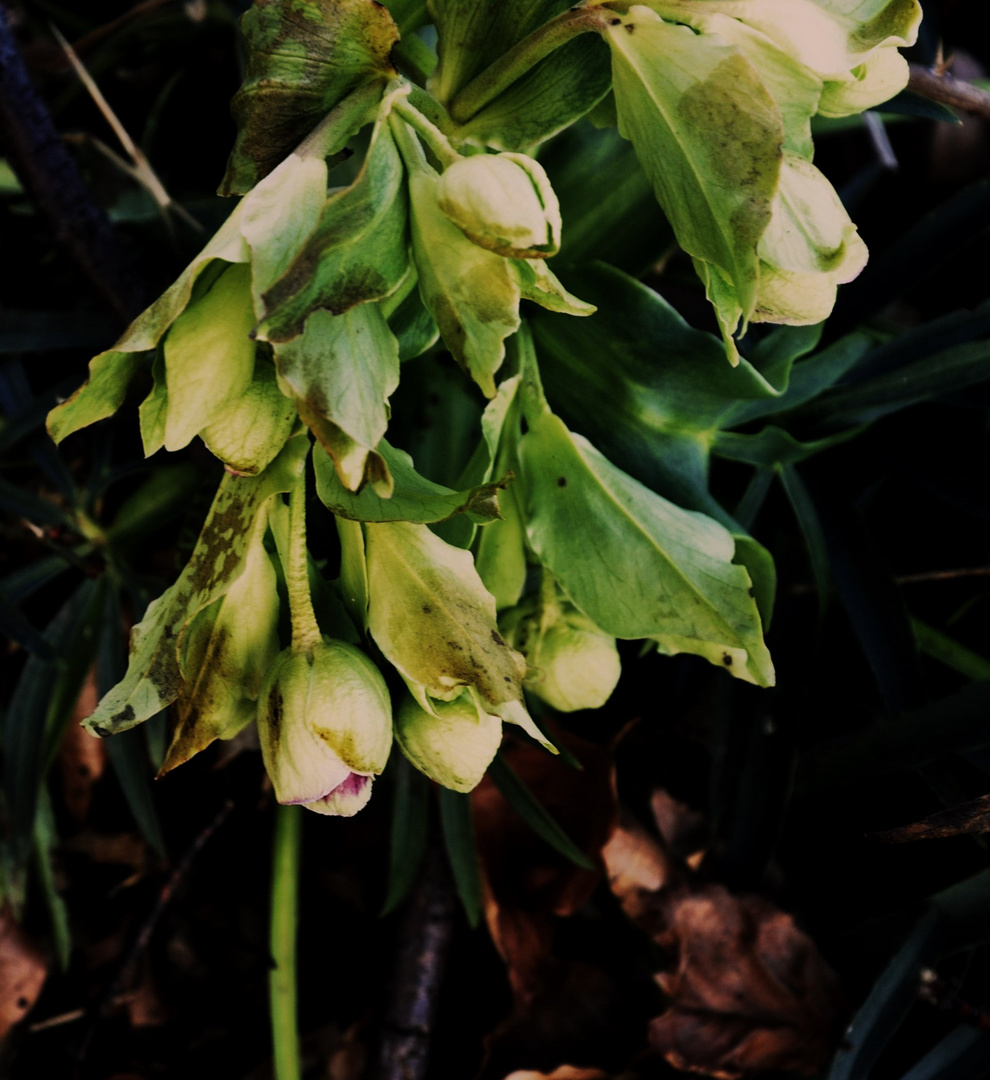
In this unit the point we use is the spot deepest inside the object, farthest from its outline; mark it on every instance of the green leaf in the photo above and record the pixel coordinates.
(40, 706)
(457, 823)
(111, 372)
(304, 57)
(964, 1054)
(954, 724)
(470, 292)
(340, 372)
(473, 34)
(522, 800)
(46, 840)
(248, 433)
(941, 373)
(228, 648)
(410, 826)
(950, 652)
(773, 446)
(154, 677)
(414, 498)
(414, 327)
(129, 758)
(806, 379)
(209, 356)
(653, 570)
(811, 529)
(888, 1003)
(357, 251)
(626, 229)
(795, 88)
(709, 136)
(162, 498)
(153, 411)
(554, 93)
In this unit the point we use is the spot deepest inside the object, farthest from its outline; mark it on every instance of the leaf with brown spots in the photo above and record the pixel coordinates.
(154, 676)
(304, 57)
(434, 620)
(22, 973)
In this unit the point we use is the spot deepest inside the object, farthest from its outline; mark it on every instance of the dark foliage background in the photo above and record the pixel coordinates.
(879, 637)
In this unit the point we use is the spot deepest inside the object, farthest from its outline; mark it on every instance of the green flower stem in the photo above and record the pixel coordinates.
(524, 56)
(411, 149)
(428, 132)
(549, 604)
(305, 629)
(415, 57)
(282, 941)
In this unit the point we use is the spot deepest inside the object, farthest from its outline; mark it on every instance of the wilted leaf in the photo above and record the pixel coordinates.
(357, 252)
(435, 622)
(709, 136)
(748, 990)
(341, 372)
(303, 59)
(22, 973)
(154, 678)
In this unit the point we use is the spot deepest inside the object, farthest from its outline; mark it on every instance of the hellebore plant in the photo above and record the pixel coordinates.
(285, 339)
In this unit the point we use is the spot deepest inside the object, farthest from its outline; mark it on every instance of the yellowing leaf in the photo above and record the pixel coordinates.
(209, 355)
(341, 372)
(709, 136)
(154, 676)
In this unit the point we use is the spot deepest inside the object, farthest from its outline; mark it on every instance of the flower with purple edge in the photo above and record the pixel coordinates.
(325, 726)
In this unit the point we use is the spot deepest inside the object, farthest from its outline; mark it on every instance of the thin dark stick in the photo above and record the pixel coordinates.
(55, 184)
(424, 941)
(948, 90)
(112, 993)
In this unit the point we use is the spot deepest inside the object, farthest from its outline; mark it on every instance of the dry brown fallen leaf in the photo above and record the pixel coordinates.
(527, 883)
(22, 973)
(81, 757)
(968, 817)
(748, 990)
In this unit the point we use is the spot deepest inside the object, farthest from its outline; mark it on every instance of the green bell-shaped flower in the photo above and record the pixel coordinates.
(573, 663)
(502, 202)
(452, 745)
(325, 726)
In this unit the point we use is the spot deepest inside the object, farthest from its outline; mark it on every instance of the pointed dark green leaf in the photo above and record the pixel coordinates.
(457, 823)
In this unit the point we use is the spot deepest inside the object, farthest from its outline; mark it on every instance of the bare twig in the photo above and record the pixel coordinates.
(948, 90)
(424, 940)
(53, 180)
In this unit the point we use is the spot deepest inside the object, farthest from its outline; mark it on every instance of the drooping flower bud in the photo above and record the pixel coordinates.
(573, 664)
(502, 202)
(325, 726)
(454, 744)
